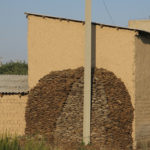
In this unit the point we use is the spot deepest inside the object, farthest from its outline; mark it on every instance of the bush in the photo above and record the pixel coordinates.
(17, 68)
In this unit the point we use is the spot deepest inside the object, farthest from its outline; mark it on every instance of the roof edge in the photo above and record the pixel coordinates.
(14, 93)
(80, 21)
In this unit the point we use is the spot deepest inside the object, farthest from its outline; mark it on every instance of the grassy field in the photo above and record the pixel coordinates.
(19, 143)
(38, 143)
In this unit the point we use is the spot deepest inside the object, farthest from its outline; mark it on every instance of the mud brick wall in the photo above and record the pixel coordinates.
(12, 114)
(55, 109)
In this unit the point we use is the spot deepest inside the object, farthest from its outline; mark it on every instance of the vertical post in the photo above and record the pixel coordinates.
(87, 75)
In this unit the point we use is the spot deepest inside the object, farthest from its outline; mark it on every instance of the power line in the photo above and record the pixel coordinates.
(107, 10)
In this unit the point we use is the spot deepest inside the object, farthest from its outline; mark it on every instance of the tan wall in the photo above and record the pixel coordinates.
(115, 51)
(55, 44)
(140, 24)
(12, 114)
(142, 74)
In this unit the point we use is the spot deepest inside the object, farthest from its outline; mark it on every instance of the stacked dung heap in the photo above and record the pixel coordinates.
(46, 101)
(55, 109)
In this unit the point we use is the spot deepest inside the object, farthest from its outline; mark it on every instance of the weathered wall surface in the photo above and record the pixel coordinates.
(12, 114)
(142, 92)
(55, 44)
(140, 24)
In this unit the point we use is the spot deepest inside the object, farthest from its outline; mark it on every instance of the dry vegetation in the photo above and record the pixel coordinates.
(38, 143)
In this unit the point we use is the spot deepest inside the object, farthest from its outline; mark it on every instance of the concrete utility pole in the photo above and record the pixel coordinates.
(87, 75)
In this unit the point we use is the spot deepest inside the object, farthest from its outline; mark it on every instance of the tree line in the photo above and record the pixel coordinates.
(14, 68)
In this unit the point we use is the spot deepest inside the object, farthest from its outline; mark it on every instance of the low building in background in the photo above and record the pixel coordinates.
(140, 24)
(13, 99)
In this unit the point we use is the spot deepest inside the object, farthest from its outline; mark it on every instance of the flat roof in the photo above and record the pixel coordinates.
(14, 84)
(95, 23)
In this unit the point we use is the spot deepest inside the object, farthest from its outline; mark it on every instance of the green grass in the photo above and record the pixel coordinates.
(7, 143)
(38, 143)
(14, 143)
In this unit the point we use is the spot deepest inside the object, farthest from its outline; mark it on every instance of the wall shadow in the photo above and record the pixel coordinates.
(145, 37)
(93, 55)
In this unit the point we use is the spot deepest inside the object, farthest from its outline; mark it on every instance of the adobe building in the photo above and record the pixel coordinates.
(59, 43)
(13, 98)
(140, 24)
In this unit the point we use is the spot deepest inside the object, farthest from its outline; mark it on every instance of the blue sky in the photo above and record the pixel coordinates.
(13, 23)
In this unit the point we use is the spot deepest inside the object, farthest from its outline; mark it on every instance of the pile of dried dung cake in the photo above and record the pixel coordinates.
(55, 109)
(46, 101)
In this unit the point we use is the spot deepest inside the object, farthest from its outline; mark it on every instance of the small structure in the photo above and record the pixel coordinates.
(13, 98)
(58, 44)
(140, 24)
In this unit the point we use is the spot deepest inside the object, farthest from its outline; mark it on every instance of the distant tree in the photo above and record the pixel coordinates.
(17, 68)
